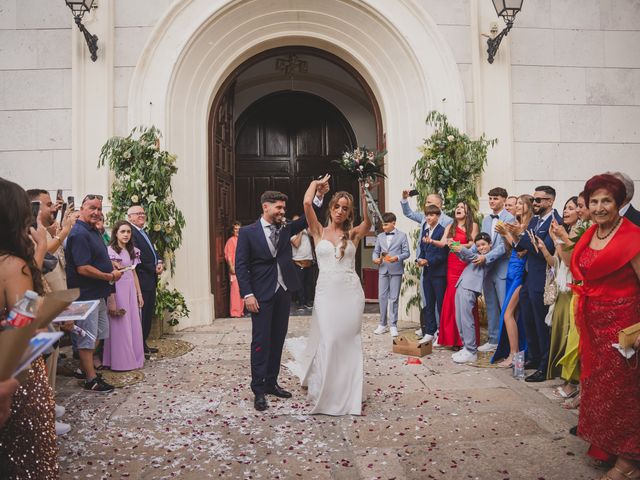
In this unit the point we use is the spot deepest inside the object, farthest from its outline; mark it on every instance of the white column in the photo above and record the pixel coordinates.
(92, 101)
(492, 100)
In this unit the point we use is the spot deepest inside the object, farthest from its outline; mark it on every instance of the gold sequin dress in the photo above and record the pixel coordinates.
(28, 448)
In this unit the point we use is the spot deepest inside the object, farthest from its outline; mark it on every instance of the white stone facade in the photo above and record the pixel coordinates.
(562, 97)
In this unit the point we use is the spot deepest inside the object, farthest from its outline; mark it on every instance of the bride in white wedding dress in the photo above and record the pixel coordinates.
(332, 363)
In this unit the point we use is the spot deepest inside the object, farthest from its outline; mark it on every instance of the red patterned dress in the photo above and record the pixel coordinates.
(609, 300)
(448, 335)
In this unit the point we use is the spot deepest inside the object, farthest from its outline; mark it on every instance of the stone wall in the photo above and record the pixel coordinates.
(576, 92)
(35, 93)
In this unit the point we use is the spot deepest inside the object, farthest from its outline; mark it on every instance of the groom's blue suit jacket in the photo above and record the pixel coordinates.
(256, 267)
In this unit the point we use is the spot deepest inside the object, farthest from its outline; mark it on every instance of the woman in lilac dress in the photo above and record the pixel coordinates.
(124, 349)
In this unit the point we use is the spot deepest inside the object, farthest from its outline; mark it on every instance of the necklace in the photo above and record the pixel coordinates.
(610, 231)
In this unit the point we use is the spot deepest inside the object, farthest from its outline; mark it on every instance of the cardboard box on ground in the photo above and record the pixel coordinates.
(404, 346)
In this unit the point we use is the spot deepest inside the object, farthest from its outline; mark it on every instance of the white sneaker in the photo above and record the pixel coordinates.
(60, 411)
(394, 332)
(426, 339)
(419, 332)
(381, 329)
(488, 347)
(62, 428)
(435, 340)
(464, 356)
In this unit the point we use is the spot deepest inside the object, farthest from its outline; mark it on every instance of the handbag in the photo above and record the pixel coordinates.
(627, 336)
(550, 286)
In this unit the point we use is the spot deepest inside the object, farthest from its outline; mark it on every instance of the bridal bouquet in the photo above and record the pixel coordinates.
(362, 164)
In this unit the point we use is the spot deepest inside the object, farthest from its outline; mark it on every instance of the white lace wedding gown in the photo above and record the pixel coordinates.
(331, 365)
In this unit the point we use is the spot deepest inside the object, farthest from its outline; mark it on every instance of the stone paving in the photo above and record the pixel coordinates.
(193, 418)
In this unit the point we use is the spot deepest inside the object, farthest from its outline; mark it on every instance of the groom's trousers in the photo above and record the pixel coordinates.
(268, 333)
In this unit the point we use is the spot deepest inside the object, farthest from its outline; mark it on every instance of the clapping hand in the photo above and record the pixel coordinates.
(539, 243)
(532, 237)
(557, 231)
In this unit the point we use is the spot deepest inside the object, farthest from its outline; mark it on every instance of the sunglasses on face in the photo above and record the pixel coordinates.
(92, 197)
(540, 199)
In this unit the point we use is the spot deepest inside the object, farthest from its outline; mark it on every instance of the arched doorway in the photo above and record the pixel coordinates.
(194, 54)
(280, 141)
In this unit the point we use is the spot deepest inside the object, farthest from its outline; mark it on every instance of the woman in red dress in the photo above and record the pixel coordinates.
(236, 304)
(606, 260)
(463, 230)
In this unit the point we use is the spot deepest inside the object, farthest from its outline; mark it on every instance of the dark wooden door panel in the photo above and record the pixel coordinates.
(222, 143)
(300, 134)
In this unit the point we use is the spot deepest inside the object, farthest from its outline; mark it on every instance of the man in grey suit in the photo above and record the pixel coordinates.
(421, 218)
(497, 263)
(390, 252)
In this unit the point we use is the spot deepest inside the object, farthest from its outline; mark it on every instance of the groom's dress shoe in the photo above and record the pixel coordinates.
(278, 391)
(260, 402)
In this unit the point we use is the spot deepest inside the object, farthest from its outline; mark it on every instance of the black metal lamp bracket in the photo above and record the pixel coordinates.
(494, 43)
(92, 40)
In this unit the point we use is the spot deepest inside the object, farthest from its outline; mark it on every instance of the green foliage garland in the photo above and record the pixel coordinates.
(451, 165)
(143, 177)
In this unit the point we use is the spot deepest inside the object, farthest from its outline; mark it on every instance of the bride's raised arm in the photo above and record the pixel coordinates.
(315, 227)
(365, 226)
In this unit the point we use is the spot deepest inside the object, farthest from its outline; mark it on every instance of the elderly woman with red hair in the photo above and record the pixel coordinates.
(606, 261)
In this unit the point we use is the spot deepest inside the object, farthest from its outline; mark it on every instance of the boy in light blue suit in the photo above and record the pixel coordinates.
(468, 288)
(497, 263)
(390, 252)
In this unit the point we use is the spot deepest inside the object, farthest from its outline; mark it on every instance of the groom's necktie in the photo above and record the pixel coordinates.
(274, 235)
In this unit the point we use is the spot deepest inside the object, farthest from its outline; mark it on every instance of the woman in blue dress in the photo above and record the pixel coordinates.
(512, 334)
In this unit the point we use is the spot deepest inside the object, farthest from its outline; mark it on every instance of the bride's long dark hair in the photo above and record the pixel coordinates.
(347, 225)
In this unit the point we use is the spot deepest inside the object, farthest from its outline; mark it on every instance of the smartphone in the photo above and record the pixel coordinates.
(63, 210)
(59, 200)
(35, 210)
(413, 193)
(71, 203)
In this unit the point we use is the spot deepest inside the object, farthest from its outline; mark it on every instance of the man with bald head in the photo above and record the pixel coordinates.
(421, 218)
(148, 270)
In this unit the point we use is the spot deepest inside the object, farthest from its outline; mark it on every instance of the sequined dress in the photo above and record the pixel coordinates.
(28, 448)
(609, 301)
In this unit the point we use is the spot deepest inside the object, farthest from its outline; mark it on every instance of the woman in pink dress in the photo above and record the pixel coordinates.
(124, 349)
(236, 306)
(463, 230)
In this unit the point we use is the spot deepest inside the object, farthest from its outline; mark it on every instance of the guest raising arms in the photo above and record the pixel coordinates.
(124, 349)
(606, 260)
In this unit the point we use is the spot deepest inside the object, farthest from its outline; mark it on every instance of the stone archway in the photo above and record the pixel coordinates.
(395, 46)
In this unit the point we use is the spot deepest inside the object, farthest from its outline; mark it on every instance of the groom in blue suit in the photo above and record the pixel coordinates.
(532, 307)
(266, 277)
